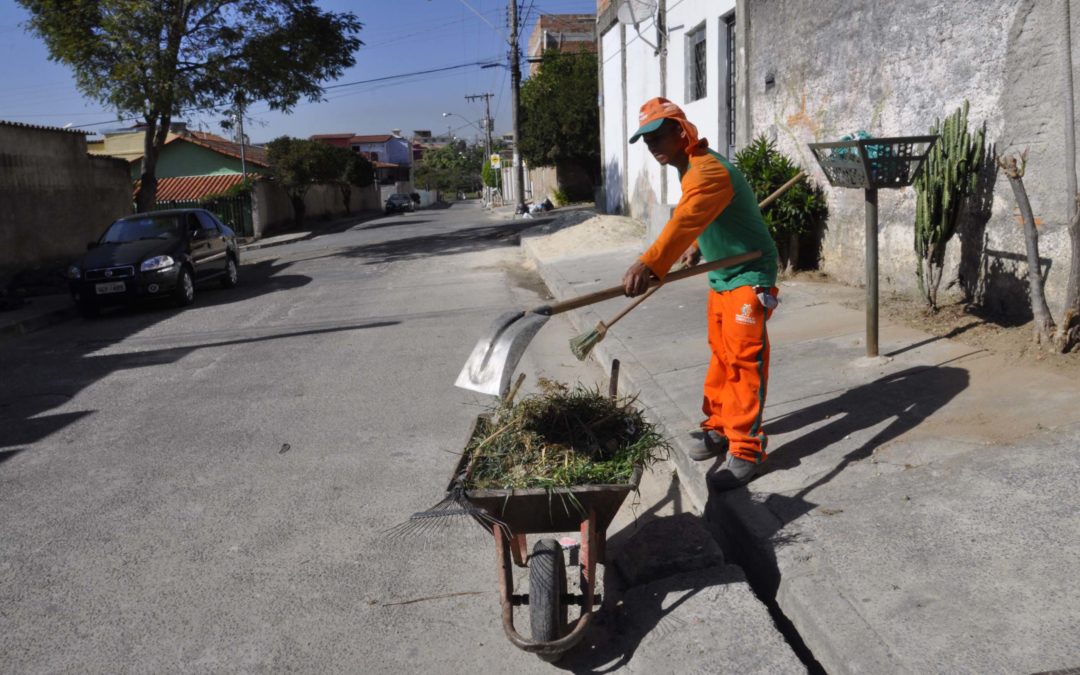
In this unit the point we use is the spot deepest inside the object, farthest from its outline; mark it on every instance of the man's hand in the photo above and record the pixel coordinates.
(690, 258)
(637, 278)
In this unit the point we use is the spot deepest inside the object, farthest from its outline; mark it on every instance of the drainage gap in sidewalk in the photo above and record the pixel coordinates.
(761, 572)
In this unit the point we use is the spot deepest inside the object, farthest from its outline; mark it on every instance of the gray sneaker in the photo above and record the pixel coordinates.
(733, 473)
(716, 444)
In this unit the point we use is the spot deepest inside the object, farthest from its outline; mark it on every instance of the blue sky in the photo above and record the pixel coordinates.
(400, 36)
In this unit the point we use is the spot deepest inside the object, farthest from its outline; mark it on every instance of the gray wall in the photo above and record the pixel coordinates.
(54, 197)
(891, 68)
(271, 206)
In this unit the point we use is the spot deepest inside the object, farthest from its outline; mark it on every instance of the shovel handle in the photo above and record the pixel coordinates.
(617, 291)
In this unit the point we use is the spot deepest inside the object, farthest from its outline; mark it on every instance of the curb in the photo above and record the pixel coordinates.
(35, 323)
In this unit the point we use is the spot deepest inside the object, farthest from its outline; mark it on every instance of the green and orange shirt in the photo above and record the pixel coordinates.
(719, 211)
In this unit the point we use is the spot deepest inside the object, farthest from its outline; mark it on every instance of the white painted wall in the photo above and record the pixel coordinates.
(614, 124)
(643, 177)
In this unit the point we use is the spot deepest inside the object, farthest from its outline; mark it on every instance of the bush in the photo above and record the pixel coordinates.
(800, 211)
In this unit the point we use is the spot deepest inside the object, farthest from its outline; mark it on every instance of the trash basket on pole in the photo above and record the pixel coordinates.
(872, 164)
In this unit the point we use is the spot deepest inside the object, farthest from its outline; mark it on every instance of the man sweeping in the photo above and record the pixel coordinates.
(716, 217)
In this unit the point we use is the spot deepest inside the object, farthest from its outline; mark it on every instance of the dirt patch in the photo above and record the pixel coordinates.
(966, 324)
(597, 232)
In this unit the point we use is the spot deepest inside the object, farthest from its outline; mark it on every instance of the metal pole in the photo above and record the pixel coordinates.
(871, 273)
(515, 85)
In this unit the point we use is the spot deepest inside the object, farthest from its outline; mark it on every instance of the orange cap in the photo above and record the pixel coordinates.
(653, 114)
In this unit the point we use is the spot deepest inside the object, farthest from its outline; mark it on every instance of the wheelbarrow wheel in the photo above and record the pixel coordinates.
(547, 584)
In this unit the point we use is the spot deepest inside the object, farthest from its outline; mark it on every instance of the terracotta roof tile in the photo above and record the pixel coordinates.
(252, 153)
(380, 138)
(189, 188)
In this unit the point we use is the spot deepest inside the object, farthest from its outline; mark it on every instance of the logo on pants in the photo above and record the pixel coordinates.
(745, 315)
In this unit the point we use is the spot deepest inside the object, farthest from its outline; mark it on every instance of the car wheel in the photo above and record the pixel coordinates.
(232, 273)
(185, 288)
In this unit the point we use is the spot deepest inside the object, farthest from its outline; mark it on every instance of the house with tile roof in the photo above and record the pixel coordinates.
(185, 153)
(391, 154)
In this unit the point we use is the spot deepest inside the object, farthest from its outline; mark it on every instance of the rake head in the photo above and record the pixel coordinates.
(455, 517)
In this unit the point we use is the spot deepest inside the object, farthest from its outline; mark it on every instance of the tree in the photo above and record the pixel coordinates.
(353, 169)
(560, 121)
(297, 164)
(451, 168)
(157, 59)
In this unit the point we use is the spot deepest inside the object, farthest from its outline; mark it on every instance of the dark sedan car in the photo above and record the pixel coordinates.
(160, 254)
(398, 202)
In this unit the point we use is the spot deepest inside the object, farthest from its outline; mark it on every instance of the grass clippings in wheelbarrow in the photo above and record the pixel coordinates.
(562, 437)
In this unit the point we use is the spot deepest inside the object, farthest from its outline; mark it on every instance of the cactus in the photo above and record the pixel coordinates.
(950, 174)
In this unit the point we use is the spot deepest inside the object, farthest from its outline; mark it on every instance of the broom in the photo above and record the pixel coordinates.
(584, 343)
(455, 512)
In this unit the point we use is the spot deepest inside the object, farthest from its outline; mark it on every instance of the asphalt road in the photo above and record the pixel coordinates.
(208, 490)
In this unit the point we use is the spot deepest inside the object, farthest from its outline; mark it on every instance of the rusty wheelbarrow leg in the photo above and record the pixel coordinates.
(547, 651)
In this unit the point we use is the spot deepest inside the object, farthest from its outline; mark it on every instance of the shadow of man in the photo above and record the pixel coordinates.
(751, 535)
(906, 398)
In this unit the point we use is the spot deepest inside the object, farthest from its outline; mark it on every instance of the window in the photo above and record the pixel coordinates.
(208, 222)
(695, 64)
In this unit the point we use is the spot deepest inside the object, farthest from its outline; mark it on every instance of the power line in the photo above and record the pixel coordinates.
(334, 86)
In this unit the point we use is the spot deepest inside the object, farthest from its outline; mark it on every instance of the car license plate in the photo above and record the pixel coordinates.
(110, 287)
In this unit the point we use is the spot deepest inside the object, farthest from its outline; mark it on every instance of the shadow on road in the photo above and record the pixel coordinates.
(47, 371)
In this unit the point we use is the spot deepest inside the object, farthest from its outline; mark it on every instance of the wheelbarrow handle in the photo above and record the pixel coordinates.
(617, 291)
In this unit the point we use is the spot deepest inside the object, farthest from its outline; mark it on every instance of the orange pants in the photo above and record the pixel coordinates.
(738, 374)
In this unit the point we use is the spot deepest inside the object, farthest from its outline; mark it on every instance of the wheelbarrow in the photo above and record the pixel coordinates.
(588, 509)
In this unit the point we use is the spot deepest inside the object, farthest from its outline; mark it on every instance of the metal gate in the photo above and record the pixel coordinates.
(233, 211)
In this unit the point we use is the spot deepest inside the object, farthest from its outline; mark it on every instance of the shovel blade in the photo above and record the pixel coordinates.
(496, 355)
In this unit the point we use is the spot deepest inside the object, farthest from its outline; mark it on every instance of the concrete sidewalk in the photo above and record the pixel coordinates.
(920, 512)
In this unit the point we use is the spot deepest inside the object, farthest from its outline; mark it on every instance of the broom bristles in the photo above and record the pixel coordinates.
(584, 343)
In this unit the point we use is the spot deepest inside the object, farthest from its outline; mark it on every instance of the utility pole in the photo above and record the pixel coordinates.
(240, 127)
(487, 131)
(515, 86)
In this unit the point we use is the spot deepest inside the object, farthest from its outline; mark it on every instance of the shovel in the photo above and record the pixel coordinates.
(496, 355)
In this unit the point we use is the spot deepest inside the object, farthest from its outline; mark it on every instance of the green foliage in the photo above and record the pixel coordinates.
(559, 117)
(560, 197)
(949, 175)
(158, 58)
(563, 437)
(349, 169)
(297, 164)
(800, 210)
(488, 174)
(358, 171)
(455, 167)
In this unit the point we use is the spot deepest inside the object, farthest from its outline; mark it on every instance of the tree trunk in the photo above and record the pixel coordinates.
(1068, 330)
(346, 196)
(157, 130)
(793, 252)
(299, 208)
(1044, 322)
(1068, 334)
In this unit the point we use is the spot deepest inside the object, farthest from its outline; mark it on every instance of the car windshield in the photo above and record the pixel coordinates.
(398, 198)
(142, 227)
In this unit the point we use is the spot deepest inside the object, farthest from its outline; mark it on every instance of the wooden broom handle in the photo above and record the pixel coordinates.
(764, 202)
(617, 291)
